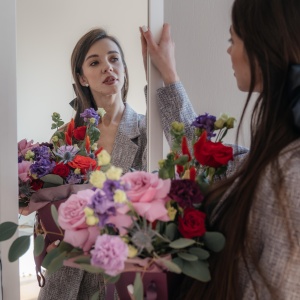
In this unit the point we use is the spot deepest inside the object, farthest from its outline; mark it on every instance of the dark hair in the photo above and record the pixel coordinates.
(270, 33)
(84, 96)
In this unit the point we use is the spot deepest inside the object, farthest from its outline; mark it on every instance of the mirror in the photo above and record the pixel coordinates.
(47, 32)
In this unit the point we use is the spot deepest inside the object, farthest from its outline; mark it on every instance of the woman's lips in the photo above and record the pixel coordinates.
(110, 80)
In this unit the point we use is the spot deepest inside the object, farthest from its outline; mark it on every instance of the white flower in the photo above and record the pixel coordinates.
(114, 173)
(97, 179)
(103, 158)
(101, 112)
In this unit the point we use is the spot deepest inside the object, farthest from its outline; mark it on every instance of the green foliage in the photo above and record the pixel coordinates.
(7, 230)
(56, 263)
(39, 245)
(138, 287)
(18, 247)
(187, 256)
(170, 265)
(54, 214)
(95, 296)
(51, 180)
(214, 241)
(181, 243)
(94, 134)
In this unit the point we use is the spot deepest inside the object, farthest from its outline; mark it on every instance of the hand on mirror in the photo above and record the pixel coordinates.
(162, 54)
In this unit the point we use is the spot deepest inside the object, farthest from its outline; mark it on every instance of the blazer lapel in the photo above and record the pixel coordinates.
(125, 145)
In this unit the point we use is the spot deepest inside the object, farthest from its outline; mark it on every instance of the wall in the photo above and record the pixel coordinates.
(200, 30)
(47, 32)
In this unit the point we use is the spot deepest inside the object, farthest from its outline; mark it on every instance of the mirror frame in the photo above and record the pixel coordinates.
(8, 126)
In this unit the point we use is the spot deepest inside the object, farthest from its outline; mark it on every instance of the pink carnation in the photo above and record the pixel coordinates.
(109, 254)
(24, 146)
(148, 195)
(23, 170)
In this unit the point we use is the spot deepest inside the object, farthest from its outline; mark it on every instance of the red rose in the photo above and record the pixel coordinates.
(36, 184)
(61, 169)
(192, 224)
(212, 154)
(84, 163)
(79, 133)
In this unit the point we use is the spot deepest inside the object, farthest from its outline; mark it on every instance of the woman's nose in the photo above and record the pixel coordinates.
(107, 68)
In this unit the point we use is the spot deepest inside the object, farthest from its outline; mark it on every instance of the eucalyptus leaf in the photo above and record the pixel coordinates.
(83, 259)
(173, 267)
(181, 243)
(7, 230)
(111, 279)
(201, 253)
(91, 269)
(215, 241)
(18, 247)
(63, 246)
(52, 179)
(56, 263)
(187, 256)
(179, 262)
(54, 214)
(95, 296)
(39, 244)
(138, 289)
(197, 270)
(51, 255)
(171, 231)
(94, 134)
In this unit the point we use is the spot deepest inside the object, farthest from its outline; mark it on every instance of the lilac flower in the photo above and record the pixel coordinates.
(90, 113)
(205, 122)
(110, 186)
(41, 152)
(74, 178)
(20, 158)
(103, 205)
(66, 153)
(42, 167)
(109, 254)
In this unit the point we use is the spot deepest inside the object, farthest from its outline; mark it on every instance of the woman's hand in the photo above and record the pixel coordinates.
(162, 54)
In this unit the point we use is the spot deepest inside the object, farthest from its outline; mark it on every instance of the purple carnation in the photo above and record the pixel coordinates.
(185, 192)
(103, 205)
(206, 122)
(74, 178)
(90, 113)
(109, 254)
(41, 152)
(42, 167)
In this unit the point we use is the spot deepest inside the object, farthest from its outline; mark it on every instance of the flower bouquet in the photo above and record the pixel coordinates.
(135, 228)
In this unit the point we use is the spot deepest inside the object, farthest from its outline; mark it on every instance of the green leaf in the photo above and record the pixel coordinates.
(91, 269)
(52, 179)
(197, 270)
(95, 296)
(178, 261)
(18, 247)
(173, 267)
(187, 256)
(111, 279)
(56, 263)
(94, 134)
(215, 241)
(181, 243)
(138, 289)
(171, 231)
(201, 253)
(54, 214)
(39, 244)
(83, 259)
(51, 255)
(7, 230)
(63, 246)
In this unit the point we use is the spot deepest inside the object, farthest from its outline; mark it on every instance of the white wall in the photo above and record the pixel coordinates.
(47, 32)
(200, 30)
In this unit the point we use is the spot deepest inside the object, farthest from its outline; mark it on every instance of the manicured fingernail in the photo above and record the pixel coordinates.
(56, 243)
(145, 28)
(130, 289)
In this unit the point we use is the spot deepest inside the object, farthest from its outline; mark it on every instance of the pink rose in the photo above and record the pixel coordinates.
(24, 146)
(83, 238)
(148, 195)
(23, 170)
(71, 214)
(120, 221)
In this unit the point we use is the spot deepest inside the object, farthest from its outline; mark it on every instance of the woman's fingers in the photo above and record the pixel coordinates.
(53, 246)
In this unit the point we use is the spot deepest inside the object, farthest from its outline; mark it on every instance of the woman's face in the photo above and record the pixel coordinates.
(240, 64)
(103, 69)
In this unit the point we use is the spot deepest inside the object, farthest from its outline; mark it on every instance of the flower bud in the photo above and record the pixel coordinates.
(132, 251)
(94, 147)
(97, 179)
(230, 123)
(172, 213)
(29, 155)
(114, 173)
(55, 139)
(92, 220)
(103, 158)
(88, 211)
(101, 112)
(120, 196)
(177, 127)
(77, 171)
(92, 120)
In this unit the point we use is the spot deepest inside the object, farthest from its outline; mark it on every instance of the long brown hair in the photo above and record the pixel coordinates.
(84, 96)
(270, 32)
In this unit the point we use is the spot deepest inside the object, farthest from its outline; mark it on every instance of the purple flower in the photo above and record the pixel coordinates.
(110, 186)
(90, 113)
(109, 254)
(185, 192)
(41, 152)
(74, 178)
(206, 122)
(66, 153)
(103, 205)
(42, 167)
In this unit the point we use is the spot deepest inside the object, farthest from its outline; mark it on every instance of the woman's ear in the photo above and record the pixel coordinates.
(82, 80)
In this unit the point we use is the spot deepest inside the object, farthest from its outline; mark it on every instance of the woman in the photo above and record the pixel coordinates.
(258, 207)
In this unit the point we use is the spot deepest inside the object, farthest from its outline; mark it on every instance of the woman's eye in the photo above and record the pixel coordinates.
(94, 63)
(114, 59)
(230, 41)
